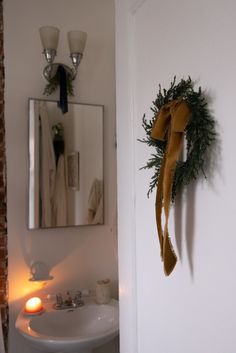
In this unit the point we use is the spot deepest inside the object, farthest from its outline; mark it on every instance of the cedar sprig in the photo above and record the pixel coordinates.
(53, 84)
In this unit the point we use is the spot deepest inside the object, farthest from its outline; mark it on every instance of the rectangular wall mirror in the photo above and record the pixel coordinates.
(65, 165)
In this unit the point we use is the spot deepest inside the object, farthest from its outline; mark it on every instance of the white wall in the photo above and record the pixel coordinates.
(194, 309)
(76, 256)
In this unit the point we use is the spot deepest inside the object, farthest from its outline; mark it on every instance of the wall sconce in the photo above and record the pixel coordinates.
(49, 37)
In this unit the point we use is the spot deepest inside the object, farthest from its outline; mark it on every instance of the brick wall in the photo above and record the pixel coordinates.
(3, 205)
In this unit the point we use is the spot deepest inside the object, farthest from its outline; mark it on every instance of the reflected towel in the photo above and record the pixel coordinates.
(95, 203)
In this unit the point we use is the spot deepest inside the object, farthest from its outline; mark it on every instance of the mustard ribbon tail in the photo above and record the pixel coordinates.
(169, 125)
(170, 258)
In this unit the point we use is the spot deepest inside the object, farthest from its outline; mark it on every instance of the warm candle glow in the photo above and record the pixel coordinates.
(33, 305)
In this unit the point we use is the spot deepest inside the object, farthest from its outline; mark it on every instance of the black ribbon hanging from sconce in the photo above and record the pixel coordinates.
(63, 102)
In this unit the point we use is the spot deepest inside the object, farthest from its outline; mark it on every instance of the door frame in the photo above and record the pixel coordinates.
(125, 113)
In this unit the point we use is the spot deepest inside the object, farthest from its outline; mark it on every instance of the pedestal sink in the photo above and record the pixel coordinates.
(78, 330)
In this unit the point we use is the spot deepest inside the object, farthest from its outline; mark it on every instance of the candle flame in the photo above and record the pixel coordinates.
(33, 305)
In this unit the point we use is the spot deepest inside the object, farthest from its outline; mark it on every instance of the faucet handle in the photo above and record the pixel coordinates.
(68, 298)
(78, 293)
(59, 300)
(78, 298)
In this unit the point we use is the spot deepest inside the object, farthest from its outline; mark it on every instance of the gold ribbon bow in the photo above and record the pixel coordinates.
(169, 125)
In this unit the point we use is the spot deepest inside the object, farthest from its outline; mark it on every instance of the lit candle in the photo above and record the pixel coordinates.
(33, 305)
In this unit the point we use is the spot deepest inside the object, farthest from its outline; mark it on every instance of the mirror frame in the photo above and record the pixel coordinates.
(31, 165)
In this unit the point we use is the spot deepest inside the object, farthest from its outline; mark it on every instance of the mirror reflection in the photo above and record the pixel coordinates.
(66, 165)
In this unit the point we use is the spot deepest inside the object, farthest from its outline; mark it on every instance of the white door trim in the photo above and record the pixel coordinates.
(125, 51)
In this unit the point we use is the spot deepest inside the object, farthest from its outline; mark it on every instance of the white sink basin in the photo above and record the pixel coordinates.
(76, 330)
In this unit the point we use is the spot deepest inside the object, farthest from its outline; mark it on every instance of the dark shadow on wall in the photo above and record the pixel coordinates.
(190, 225)
(178, 214)
(187, 232)
(185, 201)
(212, 167)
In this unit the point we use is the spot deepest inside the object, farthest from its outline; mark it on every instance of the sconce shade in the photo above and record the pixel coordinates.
(77, 41)
(49, 37)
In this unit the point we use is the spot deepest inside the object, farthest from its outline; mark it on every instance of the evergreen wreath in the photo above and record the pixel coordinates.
(53, 83)
(199, 134)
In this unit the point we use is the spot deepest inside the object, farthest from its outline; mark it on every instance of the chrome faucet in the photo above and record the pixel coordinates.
(69, 302)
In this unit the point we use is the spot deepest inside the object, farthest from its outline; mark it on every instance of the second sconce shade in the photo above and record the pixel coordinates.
(77, 41)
